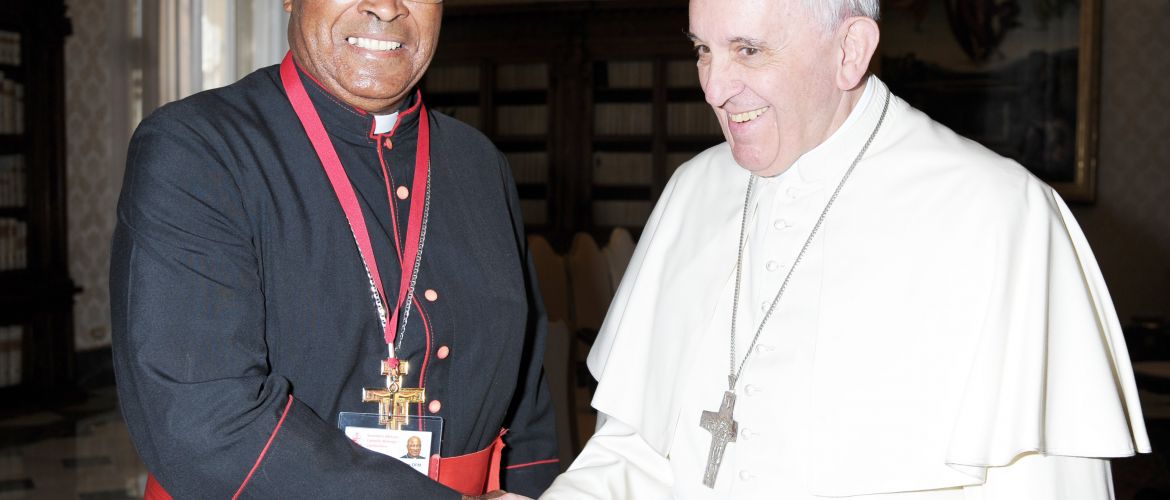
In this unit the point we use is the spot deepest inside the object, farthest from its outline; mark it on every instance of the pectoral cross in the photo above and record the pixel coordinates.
(723, 429)
(394, 400)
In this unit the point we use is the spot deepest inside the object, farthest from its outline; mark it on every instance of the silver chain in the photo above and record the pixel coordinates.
(422, 238)
(373, 291)
(382, 307)
(733, 374)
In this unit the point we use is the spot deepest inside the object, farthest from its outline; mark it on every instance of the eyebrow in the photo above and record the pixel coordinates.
(743, 40)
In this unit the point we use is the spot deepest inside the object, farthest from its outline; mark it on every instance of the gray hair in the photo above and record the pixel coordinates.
(830, 13)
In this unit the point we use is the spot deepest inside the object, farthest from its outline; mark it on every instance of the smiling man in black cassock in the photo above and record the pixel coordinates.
(247, 320)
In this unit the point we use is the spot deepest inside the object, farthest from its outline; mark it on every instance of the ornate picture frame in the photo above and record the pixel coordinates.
(1019, 76)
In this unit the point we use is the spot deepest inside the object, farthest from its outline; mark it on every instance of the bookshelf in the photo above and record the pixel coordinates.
(509, 102)
(36, 333)
(649, 116)
(595, 104)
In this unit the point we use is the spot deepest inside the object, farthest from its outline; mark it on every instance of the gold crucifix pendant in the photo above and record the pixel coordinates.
(394, 400)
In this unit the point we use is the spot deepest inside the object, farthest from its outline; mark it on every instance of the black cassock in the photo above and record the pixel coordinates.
(242, 316)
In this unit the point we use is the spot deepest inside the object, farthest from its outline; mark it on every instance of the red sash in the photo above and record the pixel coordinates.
(471, 474)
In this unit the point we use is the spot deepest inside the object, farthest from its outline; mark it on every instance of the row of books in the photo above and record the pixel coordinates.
(10, 349)
(13, 244)
(609, 168)
(691, 118)
(623, 118)
(12, 175)
(522, 120)
(529, 167)
(466, 77)
(622, 169)
(452, 78)
(612, 74)
(522, 77)
(626, 75)
(680, 74)
(682, 118)
(466, 114)
(633, 169)
(11, 106)
(10, 48)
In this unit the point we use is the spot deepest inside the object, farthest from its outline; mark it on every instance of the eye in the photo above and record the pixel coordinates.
(749, 51)
(701, 51)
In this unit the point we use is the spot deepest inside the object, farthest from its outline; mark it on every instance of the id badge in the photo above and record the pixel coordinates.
(414, 442)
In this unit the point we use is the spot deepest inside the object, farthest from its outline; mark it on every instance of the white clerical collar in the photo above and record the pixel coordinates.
(385, 123)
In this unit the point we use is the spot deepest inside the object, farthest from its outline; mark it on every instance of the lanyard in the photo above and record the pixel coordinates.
(311, 121)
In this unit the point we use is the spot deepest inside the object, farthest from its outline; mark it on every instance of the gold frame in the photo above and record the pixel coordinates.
(1083, 186)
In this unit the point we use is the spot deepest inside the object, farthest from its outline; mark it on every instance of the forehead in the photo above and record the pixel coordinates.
(716, 21)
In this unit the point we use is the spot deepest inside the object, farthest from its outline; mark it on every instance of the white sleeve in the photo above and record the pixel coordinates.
(616, 463)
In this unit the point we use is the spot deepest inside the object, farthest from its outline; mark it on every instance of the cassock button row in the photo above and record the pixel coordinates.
(402, 192)
(747, 433)
(751, 390)
(794, 193)
(772, 265)
(444, 351)
(781, 224)
(764, 350)
(765, 305)
(746, 475)
(435, 406)
(431, 295)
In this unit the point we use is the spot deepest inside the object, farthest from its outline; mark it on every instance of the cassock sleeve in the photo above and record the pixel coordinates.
(206, 414)
(530, 460)
(615, 463)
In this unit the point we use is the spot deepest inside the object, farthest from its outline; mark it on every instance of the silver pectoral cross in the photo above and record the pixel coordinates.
(723, 430)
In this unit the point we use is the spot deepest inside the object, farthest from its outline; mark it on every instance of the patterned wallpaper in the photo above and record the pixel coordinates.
(1129, 226)
(95, 152)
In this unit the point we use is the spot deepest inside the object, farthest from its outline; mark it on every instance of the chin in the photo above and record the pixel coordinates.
(749, 159)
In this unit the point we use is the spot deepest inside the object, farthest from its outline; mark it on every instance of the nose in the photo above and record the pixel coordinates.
(383, 10)
(720, 81)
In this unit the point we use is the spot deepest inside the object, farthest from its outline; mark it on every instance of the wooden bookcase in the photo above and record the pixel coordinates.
(594, 103)
(36, 293)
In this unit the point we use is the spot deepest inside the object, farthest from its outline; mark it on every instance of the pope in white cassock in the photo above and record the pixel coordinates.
(847, 299)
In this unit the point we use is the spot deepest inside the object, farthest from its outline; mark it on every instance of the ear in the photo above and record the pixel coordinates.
(858, 38)
(288, 6)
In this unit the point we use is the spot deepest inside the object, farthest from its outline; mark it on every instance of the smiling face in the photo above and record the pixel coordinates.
(414, 446)
(768, 70)
(369, 53)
